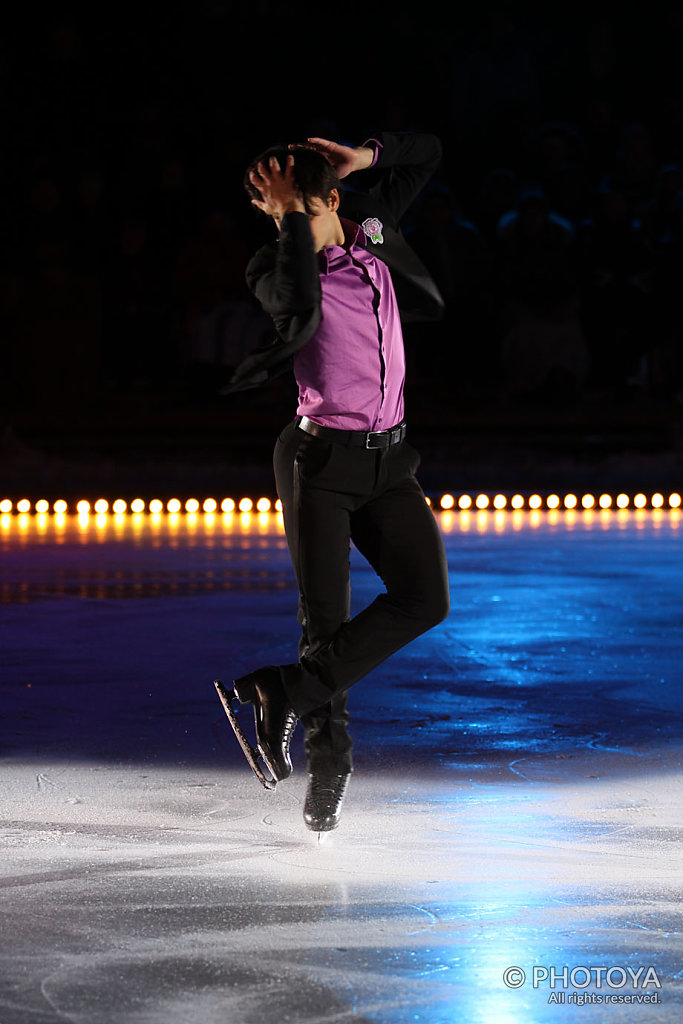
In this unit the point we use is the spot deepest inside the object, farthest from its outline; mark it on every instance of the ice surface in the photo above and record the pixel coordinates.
(517, 799)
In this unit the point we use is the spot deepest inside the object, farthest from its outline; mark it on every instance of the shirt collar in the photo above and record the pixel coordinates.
(353, 236)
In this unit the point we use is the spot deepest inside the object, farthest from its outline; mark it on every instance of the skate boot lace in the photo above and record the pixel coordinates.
(328, 788)
(291, 719)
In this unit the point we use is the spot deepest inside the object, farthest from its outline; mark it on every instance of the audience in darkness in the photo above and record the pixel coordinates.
(554, 227)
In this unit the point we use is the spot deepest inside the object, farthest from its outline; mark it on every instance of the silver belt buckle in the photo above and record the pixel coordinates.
(370, 434)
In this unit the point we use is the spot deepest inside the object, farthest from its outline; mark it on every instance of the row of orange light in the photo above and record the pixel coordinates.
(555, 501)
(463, 502)
(155, 507)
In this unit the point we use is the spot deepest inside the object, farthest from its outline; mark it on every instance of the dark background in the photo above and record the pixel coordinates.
(554, 228)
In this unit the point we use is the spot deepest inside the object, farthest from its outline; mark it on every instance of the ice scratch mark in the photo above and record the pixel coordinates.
(434, 918)
(46, 785)
(512, 768)
(595, 744)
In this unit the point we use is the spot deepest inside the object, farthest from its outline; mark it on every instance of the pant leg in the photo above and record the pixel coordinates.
(396, 530)
(317, 528)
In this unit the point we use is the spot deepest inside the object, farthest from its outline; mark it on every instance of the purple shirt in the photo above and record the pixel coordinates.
(351, 371)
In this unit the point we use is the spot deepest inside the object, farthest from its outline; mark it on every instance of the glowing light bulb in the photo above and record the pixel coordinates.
(588, 501)
(5, 506)
(553, 501)
(210, 505)
(245, 505)
(263, 504)
(517, 501)
(570, 501)
(119, 507)
(657, 500)
(192, 505)
(464, 501)
(535, 502)
(227, 505)
(605, 501)
(674, 500)
(482, 501)
(447, 501)
(428, 500)
(500, 501)
(101, 506)
(156, 507)
(640, 501)
(60, 507)
(173, 506)
(42, 506)
(24, 505)
(278, 505)
(83, 507)
(137, 505)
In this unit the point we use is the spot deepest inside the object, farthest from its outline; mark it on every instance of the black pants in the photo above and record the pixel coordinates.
(331, 495)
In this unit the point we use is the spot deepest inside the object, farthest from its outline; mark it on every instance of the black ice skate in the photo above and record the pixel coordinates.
(251, 753)
(324, 798)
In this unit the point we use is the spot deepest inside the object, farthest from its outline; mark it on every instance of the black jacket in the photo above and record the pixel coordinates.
(284, 274)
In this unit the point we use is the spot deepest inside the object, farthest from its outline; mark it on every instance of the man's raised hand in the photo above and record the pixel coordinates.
(344, 159)
(277, 188)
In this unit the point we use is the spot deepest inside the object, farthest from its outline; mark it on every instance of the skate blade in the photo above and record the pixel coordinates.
(252, 754)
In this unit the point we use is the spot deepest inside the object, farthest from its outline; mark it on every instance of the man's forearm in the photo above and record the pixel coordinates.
(408, 149)
(409, 161)
(285, 278)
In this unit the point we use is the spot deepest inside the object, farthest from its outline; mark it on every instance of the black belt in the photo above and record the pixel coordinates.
(355, 438)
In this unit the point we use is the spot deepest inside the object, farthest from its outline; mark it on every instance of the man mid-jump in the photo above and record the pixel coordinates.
(343, 468)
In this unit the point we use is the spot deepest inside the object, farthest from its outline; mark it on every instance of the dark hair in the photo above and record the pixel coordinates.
(313, 172)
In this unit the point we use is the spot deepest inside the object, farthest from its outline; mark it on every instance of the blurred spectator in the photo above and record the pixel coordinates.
(137, 349)
(90, 221)
(600, 130)
(658, 212)
(496, 82)
(636, 163)
(617, 270)
(556, 160)
(666, 368)
(46, 214)
(545, 359)
(553, 145)
(170, 204)
(669, 118)
(601, 51)
(457, 256)
(536, 255)
(499, 194)
(57, 330)
(220, 321)
(567, 191)
(543, 353)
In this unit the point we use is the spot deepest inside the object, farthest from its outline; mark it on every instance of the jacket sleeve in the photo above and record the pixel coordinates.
(406, 162)
(284, 278)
